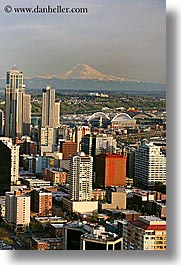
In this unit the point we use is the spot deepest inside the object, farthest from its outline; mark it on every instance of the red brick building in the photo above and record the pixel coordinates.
(41, 202)
(51, 243)
(55, 176)
(69, 148)
(110, 170)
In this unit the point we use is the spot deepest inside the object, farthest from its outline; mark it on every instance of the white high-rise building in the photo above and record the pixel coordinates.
(80, 177)
(150, 164)
(14, 150)
(17, 208)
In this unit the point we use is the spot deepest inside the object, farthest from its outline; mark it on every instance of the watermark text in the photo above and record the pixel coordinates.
(46, 10)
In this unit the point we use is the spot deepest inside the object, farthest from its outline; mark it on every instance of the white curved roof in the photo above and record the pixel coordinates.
(98, 115)
(121, 117)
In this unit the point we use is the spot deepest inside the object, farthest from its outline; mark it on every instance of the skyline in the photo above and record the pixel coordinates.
(121, 38)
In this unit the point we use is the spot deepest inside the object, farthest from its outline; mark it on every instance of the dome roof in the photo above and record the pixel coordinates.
(142, 116)
(98, 115)
(121, 117)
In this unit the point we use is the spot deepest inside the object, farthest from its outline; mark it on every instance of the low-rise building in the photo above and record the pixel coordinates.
(56, 230)
(116, 199)
(46, 243)
(36, 183)
(80, 206)
(50, 220)
(72, 235)
(98, 195)
(56, 175)
(2, 206)
(99, 239)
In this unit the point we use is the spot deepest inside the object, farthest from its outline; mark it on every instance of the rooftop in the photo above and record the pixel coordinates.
(121, 117)
(47, 239)
(149, 223)
(51, 219)
(57, 225)
(103, 237)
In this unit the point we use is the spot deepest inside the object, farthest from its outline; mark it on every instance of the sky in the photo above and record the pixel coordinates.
(125, 38)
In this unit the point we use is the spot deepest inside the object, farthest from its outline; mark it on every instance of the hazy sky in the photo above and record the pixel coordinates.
(124, 38)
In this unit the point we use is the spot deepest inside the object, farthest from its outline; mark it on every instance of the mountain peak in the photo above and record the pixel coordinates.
(86, 72)
(82, 71)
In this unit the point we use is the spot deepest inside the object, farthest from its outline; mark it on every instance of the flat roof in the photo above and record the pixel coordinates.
(103, 237)
(57, 225)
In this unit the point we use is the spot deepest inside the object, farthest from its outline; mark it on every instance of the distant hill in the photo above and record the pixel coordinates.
(84, 77)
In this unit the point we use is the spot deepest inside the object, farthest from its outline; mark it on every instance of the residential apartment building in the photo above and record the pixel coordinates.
(17, 209)
(146, 233)
(80, 177)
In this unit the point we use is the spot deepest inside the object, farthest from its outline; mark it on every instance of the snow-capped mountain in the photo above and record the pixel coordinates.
(86, 72)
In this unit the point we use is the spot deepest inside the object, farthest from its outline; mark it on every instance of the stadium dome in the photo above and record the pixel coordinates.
(122, 117)
(122, 120)
(98, 115)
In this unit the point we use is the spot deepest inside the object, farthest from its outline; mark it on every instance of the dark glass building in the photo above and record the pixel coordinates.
(5, 168)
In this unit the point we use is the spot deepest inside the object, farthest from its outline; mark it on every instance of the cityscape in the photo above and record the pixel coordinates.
(81, 170)
(83, 126)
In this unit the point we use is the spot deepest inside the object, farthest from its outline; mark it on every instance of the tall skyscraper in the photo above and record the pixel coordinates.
(50, 119)
(9, 164)
(150, 164)
(80, 177)
(17, 105)
(26, 114)
(50, 108)
(57, 115)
